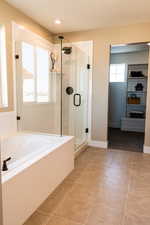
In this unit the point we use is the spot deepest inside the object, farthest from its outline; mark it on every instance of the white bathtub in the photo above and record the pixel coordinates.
(39, 163)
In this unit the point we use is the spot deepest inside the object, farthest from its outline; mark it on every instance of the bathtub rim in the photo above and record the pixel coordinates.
(6, 176)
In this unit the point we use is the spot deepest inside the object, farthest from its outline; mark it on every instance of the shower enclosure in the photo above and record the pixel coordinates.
(75, 90)
(52, 86)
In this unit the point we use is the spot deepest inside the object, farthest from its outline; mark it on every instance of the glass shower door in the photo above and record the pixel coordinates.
(75, 102)
(81, 98)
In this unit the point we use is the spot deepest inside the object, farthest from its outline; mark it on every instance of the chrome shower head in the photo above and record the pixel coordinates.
(61, 37)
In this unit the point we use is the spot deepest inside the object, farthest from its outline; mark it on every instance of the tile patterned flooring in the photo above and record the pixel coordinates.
(107, 187)
(125, 140)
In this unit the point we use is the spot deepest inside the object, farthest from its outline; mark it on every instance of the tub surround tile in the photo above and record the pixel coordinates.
(106, 188)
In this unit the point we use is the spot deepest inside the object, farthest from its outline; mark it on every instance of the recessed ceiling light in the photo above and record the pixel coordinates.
(57, 21)
(21, 27)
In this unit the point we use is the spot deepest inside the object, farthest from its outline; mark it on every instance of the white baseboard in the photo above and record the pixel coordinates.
(146, 149)
(98, 144)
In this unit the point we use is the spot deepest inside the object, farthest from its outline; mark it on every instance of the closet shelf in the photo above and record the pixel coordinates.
(136, 105)
(139, 78)
(139, 92)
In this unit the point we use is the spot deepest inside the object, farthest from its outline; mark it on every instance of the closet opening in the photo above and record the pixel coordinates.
(127, 96)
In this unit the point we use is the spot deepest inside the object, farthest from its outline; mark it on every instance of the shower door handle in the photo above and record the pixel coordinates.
(74, 100)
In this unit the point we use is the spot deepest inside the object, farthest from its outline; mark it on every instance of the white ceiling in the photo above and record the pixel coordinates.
(129, 48)
(79, 15)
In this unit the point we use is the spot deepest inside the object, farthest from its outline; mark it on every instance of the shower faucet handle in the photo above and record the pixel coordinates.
(5, 168)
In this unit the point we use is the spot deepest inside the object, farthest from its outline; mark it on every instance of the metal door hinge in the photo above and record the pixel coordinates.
(87, 130)
(88, 66)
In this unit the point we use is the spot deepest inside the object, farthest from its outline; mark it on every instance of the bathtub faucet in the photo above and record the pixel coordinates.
(4, 167)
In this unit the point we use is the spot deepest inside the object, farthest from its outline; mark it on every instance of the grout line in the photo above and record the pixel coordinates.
(126, 200)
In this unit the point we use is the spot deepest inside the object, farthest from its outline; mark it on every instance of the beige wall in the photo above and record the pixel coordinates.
(1, 218)
(103, 38)
(7, 15)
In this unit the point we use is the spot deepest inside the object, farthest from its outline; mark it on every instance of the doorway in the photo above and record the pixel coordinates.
(127, 96)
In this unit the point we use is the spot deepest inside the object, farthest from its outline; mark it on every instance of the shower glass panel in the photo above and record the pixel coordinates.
(3, 70)
(38, 89)
(75, 91)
